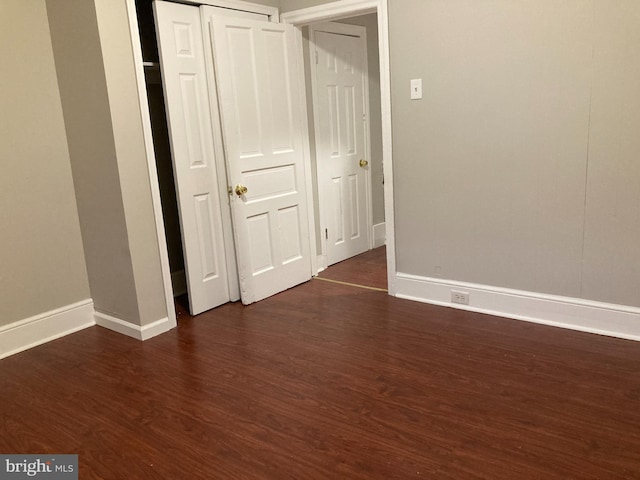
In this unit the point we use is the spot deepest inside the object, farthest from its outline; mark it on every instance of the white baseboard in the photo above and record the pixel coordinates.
(136, 331)
(30, 332)
(179, 283)
(572, 313)
(379, 235)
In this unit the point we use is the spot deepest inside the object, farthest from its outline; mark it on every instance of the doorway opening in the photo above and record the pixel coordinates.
(342, 76)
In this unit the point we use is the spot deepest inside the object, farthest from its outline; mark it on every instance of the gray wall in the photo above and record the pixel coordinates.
(74, 31)
(41, 256)
(119, 67)
(288, 5)
(268, 3)
(490, 165)
(611, 260)
(519, 167)
(95, 70)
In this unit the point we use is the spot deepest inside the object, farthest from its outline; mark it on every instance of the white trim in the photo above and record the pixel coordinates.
(44, 327)
(272, 12)
(306, 151)
(131, 330)
(345, 8)
(331, 11)
(566, 312)
(387, 151)
(379, 230)
(367, 135)
(145, 118)
(346, 29)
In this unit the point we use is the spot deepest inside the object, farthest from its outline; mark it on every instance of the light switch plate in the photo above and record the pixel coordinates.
(416, 89)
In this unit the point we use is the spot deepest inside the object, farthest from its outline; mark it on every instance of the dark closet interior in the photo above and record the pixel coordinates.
(161, 145)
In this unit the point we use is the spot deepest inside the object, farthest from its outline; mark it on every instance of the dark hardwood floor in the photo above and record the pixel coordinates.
(327, 381)
(367, 269)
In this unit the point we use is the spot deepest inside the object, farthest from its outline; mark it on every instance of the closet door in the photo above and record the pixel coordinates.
(182, 61)
(263, 128)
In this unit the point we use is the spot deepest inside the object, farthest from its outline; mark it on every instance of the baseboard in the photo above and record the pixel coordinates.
(33, 331)
(136, 331)
(179, 283)
(379, 235)
(572, 313)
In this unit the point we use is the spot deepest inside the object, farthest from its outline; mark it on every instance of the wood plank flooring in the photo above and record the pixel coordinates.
(368, 269)
(327, 381)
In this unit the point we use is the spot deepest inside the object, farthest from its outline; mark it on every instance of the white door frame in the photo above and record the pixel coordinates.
(349, 8)
(360, 32)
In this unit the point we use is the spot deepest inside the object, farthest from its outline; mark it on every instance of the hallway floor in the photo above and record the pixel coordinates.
(368, 269)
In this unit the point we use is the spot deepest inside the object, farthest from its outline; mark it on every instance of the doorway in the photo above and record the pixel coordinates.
(343, 100)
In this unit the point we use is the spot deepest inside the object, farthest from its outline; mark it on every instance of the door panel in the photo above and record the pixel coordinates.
(186, 97)
(207, 14)
(339, 107)
(262, 129)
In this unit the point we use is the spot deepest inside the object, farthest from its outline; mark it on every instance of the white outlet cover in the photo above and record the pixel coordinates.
(416, 89)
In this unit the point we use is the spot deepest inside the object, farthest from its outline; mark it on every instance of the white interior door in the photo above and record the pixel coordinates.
(340, 99)
(257, 83)
(185, 89)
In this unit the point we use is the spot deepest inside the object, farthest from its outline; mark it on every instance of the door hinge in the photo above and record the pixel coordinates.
(326, 233)
(316, 57)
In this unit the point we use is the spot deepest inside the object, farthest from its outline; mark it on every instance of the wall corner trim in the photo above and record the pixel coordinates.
(379, 235)
(136, 331)
(45, 327)
(565, 312)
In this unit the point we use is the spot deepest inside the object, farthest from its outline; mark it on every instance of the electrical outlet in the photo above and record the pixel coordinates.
(459, 297)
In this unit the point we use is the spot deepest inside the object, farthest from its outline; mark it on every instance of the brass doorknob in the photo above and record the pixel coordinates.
(363, 163)
(241, 190)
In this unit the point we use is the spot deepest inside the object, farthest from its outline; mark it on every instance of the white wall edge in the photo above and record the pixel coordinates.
(132, 330)
(344, 8)
(379, 234)
(306, 152)
(145, 118)
(272, 12)
(45, 327)
(565, 312)
(330, 11)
